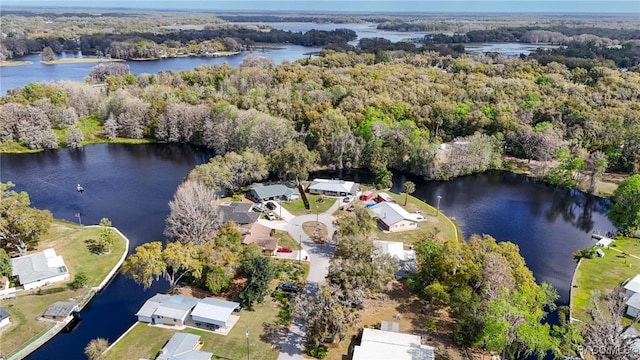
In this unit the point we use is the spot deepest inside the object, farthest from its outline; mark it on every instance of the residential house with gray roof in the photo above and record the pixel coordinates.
(333, 187)
(261, 192)
(166, 309)
(240, 213)
(183, 346)
(39, 269)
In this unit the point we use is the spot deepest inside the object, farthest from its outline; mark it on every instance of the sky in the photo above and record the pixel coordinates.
(594, 7)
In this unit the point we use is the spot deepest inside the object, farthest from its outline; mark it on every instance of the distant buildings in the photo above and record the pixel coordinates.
(39, 269)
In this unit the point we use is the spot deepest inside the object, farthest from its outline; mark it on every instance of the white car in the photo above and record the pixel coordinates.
(270, 216)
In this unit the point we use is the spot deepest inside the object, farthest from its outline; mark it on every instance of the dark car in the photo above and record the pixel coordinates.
(289, 288)
(238, 308)
(271, 205)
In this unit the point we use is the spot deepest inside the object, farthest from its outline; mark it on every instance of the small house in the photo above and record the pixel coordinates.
(260, 192)
(39, 269)
(61, 310)
(393, 217)
(240, 213)
(333, 187)
(383, 345)
(632, 286)
(183, 346)
(4, 318)
(166, 309)
(406, 258)
(213, 312)
(261, 236)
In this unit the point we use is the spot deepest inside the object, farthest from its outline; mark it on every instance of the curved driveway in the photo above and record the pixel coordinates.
(319, 256)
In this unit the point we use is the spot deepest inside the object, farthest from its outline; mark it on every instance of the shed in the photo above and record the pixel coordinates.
(384, 197)
(60, 310)
(633, 305)
(367, 195)
(213, 311)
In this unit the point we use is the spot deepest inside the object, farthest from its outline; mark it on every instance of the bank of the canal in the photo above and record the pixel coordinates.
(71, 242)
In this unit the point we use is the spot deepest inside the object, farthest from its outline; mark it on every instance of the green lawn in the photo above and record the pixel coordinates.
(430, 228)
(285, 240)
(296, 207)
(69, 241)
(604, 273)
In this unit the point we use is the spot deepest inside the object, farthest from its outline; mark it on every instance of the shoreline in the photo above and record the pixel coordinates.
(89, 295)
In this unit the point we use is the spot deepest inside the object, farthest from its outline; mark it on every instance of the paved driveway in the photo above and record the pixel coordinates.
(319, 256)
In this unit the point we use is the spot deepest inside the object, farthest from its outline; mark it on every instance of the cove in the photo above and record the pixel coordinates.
(132, 185)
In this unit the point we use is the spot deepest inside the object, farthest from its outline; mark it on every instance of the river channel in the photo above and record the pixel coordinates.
(132, 184)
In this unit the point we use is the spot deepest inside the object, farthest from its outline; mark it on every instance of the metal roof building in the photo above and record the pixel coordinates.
(183, 346)
(213, 311)
(39, 269)
(385, 345)
(166, 309)
(333, 187)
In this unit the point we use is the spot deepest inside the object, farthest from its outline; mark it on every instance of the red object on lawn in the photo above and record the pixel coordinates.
(285, 250)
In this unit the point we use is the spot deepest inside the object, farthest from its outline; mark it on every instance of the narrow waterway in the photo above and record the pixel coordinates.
(132, 185)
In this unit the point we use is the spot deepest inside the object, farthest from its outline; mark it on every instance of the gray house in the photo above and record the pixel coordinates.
(260, 192)
(240, 213)
(183, 346)
(331, 187)
(60, 310)
(39, 269)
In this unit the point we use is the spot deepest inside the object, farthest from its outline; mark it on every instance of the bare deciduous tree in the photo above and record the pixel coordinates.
(605, 336)
(194, 214)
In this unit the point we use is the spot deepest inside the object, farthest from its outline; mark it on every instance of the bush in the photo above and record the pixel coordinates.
(588, 253)
(319, 352)
(79, 281)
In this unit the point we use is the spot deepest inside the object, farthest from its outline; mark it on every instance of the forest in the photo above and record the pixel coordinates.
(425, 114)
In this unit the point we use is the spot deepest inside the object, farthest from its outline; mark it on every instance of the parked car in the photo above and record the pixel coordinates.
(238, 308)
(285, 250)
(346, 199)
(290, 288)
(271, 205)
(259, 207)
(270, 216)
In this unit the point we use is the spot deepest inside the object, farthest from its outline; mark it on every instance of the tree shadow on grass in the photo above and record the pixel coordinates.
(94, 248)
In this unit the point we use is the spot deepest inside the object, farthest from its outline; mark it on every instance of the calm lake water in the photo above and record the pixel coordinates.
(132, 184)
(14, 76)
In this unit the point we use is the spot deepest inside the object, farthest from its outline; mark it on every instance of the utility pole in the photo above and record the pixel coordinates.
(79, 218)
(246, 334)
(300, 251)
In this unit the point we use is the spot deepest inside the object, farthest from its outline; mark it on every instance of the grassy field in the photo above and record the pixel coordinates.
(604, 273)
(296, 207)
(441, 229)
(69, 240)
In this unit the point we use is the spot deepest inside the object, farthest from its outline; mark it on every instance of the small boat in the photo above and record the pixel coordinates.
(80, 188)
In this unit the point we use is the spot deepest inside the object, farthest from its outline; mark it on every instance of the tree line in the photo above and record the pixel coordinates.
(425, 114)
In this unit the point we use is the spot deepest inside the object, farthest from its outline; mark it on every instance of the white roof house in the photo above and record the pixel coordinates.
(394, 217)
(384, 345)
(633, 286)
(406, 258)
(183, 346)
(333, 187)
(39, 269)
(166, 309)
(213, 311)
